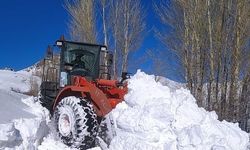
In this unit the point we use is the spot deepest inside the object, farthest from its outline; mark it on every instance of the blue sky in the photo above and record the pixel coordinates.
(27, 27)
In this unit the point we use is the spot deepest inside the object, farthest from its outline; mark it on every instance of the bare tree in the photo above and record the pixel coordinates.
(211, 57)
(241, 27)
(133, 28)
(186, 38)
(170, 15)
(212, 42)
(127, 25)
(82, 20)
(115, 25)
(104, 5)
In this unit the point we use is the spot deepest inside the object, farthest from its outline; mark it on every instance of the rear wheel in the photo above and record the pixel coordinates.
(47, 94)
(76, 122)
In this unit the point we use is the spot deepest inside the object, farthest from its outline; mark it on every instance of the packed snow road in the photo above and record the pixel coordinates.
(154, 116)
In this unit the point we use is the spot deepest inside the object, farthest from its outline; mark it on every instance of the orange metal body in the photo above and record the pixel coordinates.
(104, 94)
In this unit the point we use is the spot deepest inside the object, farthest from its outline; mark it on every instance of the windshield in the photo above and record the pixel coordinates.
(83, 58)
(80, 59)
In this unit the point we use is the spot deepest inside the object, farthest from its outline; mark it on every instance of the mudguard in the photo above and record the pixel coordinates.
(83, 88)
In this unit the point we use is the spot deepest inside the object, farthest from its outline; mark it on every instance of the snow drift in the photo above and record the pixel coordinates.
(154, 116)
(23, 121)
(14, 81)
(26, 132)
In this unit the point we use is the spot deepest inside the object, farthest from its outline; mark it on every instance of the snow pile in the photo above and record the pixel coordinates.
(11, 107)
(154, 116)
(19, 82)
(25, 132)
(23, 121)
(50, 143)
(170, 83)
(14, 81)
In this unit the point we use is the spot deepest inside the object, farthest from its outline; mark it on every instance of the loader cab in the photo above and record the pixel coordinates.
(68, 59)
(91, 61)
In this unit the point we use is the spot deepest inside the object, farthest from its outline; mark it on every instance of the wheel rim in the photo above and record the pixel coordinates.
(65, 124)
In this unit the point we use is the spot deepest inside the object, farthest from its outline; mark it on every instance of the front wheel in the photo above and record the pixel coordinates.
(76, 122)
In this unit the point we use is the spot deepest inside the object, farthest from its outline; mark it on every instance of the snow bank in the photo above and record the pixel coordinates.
(51, 143)
(23, 121)
(16, 81)
(25, 133)
(170, 83)
(11, 107)
(154, 116)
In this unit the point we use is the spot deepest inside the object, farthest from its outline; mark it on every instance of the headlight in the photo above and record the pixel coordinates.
(58, 43)
(104, 49)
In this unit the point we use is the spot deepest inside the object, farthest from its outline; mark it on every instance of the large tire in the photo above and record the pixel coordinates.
(46, 102)
(76, 122)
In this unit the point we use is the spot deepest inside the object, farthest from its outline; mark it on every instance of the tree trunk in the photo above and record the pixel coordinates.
(234, 96)
(104, 23)
(126, 38)
(211, 60)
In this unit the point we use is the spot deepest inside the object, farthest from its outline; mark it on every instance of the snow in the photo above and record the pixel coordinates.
(158, 117)
(32, 130)
(14, 81)
(25, 132)
(50, 143)
(11, 106)
(23, 121)
(157, 114)
(169, 83)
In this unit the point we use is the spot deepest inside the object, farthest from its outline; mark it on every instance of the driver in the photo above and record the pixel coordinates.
(78, 62)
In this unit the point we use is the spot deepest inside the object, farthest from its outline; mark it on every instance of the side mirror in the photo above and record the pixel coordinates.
(125, 76)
